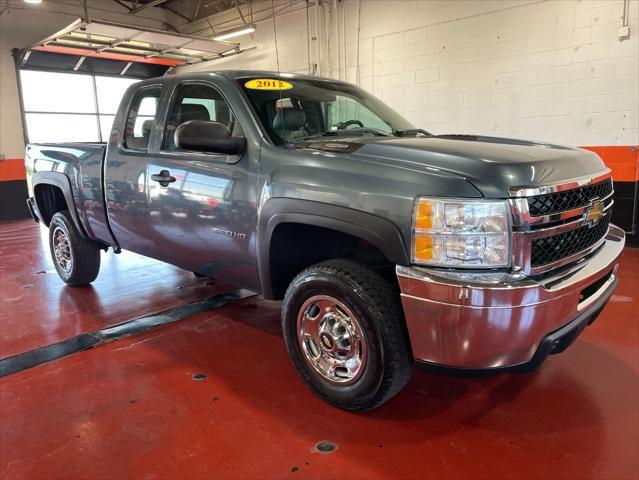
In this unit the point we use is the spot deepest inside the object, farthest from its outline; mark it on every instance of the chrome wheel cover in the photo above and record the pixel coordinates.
(62, 250)
(332, 339)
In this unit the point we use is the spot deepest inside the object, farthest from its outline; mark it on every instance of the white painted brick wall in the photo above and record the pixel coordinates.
(549, 70)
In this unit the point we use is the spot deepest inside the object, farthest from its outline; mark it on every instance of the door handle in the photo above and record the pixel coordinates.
(164, 178)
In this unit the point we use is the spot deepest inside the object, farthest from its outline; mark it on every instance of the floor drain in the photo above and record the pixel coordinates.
(325, 447)
(199, 376)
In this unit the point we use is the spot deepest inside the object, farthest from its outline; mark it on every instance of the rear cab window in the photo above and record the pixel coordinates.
(140, 118)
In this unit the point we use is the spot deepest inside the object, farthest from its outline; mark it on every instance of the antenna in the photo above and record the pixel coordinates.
(277, 53)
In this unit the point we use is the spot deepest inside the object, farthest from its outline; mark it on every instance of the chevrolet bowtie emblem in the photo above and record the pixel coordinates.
(594, 213)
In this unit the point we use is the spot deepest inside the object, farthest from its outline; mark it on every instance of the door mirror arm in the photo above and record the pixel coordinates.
(231, 159)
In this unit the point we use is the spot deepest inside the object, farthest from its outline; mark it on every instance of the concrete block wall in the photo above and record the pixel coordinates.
(550, 70)
(554, 71)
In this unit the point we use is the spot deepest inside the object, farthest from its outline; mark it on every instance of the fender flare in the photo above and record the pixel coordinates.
(376, 230)
(61, 181)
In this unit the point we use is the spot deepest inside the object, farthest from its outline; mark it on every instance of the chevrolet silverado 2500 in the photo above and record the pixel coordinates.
(387, 244)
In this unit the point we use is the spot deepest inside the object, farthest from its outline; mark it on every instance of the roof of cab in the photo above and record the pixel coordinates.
(235, 74)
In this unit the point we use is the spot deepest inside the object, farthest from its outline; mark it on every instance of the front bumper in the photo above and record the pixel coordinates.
(503, 321)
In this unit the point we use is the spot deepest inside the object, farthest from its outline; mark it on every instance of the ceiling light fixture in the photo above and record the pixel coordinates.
(32, 1)
(236, 32)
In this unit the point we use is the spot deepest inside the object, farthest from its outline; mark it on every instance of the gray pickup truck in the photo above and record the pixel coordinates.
(388, 245)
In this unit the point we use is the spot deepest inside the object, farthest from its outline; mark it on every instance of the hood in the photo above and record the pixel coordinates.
(491, 164)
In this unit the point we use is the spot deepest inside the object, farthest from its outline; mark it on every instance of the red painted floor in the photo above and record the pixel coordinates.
(38, 309)
(132, 409)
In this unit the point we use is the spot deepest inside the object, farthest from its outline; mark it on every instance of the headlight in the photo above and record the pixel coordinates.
(460, 233)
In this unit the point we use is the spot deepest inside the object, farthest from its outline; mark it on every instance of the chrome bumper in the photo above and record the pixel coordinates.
(499, 320)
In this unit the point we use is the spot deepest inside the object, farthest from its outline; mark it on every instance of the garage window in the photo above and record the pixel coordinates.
(65, 107)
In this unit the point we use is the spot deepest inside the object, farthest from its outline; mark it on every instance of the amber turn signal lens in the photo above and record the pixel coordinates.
(423, 248)
(424, 219)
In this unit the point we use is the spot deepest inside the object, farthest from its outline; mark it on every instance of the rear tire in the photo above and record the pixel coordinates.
(76, 260)
(345, 334)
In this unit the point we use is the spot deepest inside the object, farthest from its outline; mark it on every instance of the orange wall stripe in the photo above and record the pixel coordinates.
(12, 169)
(623, 161)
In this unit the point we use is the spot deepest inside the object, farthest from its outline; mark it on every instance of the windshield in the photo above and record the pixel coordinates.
(295, 111)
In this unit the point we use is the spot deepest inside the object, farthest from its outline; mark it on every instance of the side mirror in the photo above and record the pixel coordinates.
(209, 137)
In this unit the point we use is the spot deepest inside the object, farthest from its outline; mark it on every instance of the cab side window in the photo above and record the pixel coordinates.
(197, 102)
(139, 121)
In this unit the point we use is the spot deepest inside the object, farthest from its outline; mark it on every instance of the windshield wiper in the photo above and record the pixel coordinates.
(412, 131)
(353, 131)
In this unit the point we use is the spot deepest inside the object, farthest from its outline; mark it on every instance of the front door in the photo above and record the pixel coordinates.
(126, 172)
(202, 205)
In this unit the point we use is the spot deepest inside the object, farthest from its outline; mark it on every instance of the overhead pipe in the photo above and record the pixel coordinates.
(359, 29)
(317, 45)
(339, 41)
(308, 41)
(344, 7)
(328, 34)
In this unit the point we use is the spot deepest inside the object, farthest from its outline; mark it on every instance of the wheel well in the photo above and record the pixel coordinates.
(295, 246)
(50, 200)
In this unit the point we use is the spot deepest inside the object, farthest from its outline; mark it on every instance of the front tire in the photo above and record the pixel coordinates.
(76, 260)
(345, 334)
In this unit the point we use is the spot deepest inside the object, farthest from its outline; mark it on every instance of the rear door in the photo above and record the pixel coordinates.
(204, 219)
(126, 169)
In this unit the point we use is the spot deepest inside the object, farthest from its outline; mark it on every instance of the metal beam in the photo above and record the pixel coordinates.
(197, 9)
(239, 11)
(122, 4)
(85, 9)
(124, 70)
(175, 12)
(216, 3)
(152, 3)
(25, 57)
(171, 27)
(79, 63)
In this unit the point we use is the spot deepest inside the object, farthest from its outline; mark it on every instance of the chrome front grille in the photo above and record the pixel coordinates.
(558, 224)
(547, 250)
(568, 200)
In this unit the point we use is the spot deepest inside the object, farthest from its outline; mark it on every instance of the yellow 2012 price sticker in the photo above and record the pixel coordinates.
(267, 84)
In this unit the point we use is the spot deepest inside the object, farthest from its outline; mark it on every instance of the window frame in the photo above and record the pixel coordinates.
(271, 137)
(172, 98)
(121, 141)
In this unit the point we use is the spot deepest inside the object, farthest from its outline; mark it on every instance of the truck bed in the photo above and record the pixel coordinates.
(81, 163)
